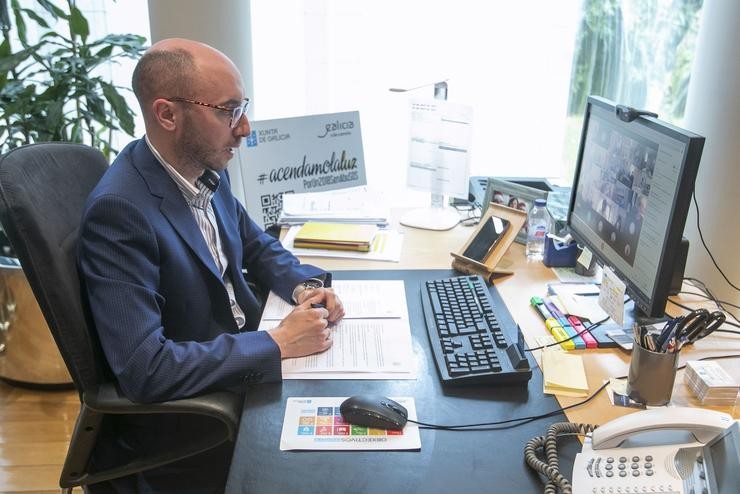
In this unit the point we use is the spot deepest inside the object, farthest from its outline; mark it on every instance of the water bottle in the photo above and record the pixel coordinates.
(538, 226)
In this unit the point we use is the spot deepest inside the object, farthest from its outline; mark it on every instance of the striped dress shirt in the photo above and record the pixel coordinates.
(199, 200)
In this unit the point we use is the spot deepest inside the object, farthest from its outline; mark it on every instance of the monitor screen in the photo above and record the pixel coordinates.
(631, 193)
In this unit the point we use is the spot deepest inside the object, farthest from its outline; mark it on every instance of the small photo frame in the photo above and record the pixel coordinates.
(515, 196)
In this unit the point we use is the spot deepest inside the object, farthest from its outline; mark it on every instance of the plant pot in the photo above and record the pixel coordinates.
(28, 353)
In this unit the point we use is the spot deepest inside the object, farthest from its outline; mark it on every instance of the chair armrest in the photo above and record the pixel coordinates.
(224, 406)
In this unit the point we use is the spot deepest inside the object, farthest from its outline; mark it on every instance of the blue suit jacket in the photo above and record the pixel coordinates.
(158, 302)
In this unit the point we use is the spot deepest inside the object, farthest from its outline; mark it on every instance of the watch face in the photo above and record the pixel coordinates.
(312, 284)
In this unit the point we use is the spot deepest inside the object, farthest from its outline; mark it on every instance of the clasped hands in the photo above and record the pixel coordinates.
(306, 329)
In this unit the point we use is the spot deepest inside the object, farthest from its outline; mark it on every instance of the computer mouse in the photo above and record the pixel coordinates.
(374, 411)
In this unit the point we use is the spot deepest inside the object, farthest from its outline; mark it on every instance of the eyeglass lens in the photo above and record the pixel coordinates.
(239, 111)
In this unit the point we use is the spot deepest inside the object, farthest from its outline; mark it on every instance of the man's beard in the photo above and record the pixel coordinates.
(194, 151)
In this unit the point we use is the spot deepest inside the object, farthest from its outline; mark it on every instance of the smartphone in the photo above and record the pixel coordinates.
(486, 238)
(621, 338)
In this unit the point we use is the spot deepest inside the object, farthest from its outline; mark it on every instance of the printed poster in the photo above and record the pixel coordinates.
(302, 154)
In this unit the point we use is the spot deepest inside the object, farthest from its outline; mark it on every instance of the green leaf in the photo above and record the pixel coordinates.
(39, 20)
(120, 108)
(104, 52)
(78, 24)
(55, 11)
(8, 63)
(20, 23)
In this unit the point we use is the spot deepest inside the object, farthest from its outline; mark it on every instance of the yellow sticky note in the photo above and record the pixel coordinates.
(564, 374)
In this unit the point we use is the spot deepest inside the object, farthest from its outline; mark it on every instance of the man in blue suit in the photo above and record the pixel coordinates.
(164, 246)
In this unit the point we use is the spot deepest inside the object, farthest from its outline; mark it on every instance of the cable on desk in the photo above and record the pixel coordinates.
(584, 330)
(547, 445)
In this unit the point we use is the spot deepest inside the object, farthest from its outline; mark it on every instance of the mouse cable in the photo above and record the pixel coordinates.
(510, 423)
(701, 237)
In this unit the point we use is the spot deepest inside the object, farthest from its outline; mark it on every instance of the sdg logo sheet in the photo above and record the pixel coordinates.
(316, 424)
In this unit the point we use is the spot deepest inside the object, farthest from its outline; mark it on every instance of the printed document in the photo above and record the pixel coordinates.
(373, 341)
(316, 424)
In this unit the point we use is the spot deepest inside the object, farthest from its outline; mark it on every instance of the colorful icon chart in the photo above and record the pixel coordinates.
(317, 424)
(327, 421)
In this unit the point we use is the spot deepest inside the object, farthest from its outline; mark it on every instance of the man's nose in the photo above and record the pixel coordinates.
(242, 128)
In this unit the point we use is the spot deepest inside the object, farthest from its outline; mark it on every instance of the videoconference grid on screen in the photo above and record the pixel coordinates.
(625, 195)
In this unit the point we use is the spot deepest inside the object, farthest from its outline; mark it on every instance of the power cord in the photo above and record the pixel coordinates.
(701, 237)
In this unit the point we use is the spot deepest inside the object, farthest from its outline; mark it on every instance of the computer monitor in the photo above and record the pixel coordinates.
(631, 194)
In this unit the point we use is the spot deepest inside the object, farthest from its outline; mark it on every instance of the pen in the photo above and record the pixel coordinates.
(581, 329)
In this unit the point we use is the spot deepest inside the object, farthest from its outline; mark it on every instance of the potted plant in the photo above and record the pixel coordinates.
(51, 88)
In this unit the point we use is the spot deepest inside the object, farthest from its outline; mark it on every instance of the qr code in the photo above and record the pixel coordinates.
(272, 206)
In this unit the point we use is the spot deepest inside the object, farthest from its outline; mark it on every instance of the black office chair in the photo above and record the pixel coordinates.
(43, 188)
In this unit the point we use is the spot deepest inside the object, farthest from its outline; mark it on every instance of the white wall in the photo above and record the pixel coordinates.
(713, 110)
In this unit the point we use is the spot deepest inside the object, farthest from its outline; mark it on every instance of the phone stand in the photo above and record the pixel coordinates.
(489, 267)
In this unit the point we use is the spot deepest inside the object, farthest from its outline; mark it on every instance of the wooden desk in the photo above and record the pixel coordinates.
(425, 249)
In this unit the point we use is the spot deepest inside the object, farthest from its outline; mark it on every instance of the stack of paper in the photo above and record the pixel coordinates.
(373, 341)
(563, 373)
(339, 236)
(710, 383)
(350, 205)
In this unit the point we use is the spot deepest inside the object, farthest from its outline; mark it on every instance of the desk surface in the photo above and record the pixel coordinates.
(258, 463)
(462, 461)
(425, 249)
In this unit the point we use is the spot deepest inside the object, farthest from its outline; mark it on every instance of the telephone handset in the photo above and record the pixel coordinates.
(661, 450)
(702, 424)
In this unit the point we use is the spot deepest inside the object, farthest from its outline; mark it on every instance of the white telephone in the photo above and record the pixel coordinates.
(671, 450)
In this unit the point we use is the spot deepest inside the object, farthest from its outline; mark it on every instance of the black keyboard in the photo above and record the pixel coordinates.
(474, 339)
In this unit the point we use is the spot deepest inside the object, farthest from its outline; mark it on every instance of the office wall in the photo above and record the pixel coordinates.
(713, 110)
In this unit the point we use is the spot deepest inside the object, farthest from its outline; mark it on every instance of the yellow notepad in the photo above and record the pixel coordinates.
(563, 374)
(341, 236)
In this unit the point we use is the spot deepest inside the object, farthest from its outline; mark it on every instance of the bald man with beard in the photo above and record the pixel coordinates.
(163, 249)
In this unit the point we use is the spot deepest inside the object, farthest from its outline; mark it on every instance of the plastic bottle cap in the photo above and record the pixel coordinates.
(540, 202)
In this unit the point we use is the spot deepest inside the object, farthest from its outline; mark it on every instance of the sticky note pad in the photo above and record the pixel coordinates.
(564, 374)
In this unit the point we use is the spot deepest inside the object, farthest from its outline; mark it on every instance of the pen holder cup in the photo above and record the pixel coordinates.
(651, 376)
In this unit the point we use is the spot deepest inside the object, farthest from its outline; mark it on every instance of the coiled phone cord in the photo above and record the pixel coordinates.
(548, 443)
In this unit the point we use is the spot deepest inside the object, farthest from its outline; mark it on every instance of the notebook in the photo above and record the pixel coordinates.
(340, 236)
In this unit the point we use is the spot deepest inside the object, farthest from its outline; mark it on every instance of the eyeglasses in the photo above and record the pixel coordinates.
(236, 112)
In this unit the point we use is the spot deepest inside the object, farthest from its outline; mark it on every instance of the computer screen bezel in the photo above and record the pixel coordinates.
(650, 304)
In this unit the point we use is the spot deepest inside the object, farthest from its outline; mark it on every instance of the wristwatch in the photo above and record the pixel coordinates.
(312, 284)
(309, 284)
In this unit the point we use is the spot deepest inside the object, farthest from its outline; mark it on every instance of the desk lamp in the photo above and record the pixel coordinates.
(438, 216)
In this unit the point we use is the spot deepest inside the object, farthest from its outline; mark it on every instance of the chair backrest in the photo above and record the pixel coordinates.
(43, 188)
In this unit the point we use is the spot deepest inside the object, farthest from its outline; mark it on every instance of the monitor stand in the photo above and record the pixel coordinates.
(631, 315)
(435, 217)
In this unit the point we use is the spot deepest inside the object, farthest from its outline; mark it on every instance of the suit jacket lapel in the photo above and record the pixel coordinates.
(173, 205)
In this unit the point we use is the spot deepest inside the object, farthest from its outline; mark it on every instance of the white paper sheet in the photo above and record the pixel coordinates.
(316, 424)
(439, 148)
(367, 347)
(366, 299)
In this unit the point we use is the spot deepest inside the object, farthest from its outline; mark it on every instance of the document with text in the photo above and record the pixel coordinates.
(373, 341)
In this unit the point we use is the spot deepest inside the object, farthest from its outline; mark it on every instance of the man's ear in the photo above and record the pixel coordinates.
(164, 114)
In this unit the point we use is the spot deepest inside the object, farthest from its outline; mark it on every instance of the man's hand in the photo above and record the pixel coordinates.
(325, 297)
(303, 332)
